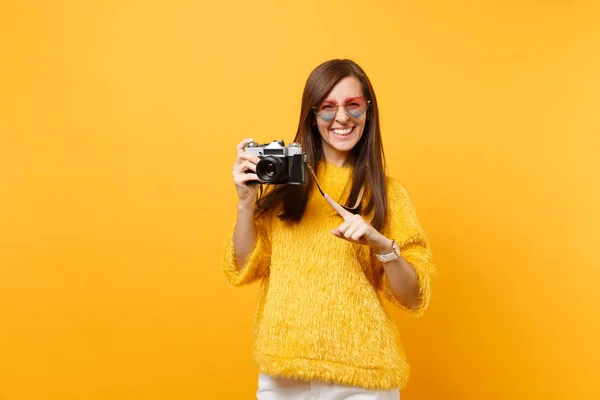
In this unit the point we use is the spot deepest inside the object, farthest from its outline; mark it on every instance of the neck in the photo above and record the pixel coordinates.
(335, 157)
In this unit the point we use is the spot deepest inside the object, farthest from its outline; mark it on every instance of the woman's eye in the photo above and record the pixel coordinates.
(327, 107)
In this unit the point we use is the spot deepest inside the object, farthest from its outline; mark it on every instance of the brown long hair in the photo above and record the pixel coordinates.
(368, 157)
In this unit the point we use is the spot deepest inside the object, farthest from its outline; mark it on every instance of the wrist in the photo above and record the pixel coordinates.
(246, 207)
(383, 246)
(388, 254)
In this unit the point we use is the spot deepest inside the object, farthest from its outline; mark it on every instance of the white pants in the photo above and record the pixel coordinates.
(274, 388)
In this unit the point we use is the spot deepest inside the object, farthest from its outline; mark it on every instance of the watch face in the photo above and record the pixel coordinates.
(396, 249)
(390, 256)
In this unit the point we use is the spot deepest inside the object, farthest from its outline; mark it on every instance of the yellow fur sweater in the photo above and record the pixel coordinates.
(319, 314)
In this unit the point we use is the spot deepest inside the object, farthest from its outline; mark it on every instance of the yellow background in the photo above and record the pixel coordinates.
(118, 121)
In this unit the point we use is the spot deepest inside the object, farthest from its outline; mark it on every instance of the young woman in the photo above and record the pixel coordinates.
(320, 326)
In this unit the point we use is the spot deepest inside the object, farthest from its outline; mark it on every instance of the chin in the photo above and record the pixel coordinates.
(345, 147)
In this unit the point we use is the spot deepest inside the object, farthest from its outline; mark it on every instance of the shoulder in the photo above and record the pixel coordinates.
(397, 192)
(401, 208)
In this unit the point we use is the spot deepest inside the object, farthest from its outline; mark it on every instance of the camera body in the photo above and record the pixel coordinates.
(278, 164)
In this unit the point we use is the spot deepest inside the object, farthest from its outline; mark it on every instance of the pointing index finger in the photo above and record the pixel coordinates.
(338, 208)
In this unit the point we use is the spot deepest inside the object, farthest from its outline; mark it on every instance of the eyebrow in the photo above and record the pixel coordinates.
(346, 100)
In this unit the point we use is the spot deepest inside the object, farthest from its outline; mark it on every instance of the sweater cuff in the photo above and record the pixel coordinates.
(256, 265)
(419, 258)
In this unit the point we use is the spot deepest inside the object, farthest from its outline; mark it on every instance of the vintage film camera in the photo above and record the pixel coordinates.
(279, 164)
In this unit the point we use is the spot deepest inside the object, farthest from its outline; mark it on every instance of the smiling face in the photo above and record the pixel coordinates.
(341, 120)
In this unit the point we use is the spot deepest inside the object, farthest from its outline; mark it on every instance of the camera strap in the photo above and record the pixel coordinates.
(358, 199)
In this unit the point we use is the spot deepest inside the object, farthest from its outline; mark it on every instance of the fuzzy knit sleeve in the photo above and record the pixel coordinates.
(257, 262)
(403, 226)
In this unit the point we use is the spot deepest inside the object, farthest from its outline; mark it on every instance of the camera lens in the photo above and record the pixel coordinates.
(269, 168)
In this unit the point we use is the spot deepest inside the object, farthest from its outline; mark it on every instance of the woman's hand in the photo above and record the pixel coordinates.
(245, 162)
(356, 230)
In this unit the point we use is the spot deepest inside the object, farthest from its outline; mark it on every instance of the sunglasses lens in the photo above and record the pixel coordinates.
(327, 115)
(356, 107)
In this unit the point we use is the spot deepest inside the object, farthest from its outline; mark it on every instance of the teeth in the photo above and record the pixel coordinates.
(342, 131)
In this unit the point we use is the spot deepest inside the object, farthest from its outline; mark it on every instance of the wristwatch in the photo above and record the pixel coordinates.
(389, 256)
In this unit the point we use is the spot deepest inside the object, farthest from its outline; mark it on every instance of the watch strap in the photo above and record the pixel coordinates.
(389, 256)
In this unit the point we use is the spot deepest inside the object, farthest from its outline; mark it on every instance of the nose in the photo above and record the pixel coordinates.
(342, 116)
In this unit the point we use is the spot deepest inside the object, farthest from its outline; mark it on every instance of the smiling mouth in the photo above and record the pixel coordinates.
(342, 132)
